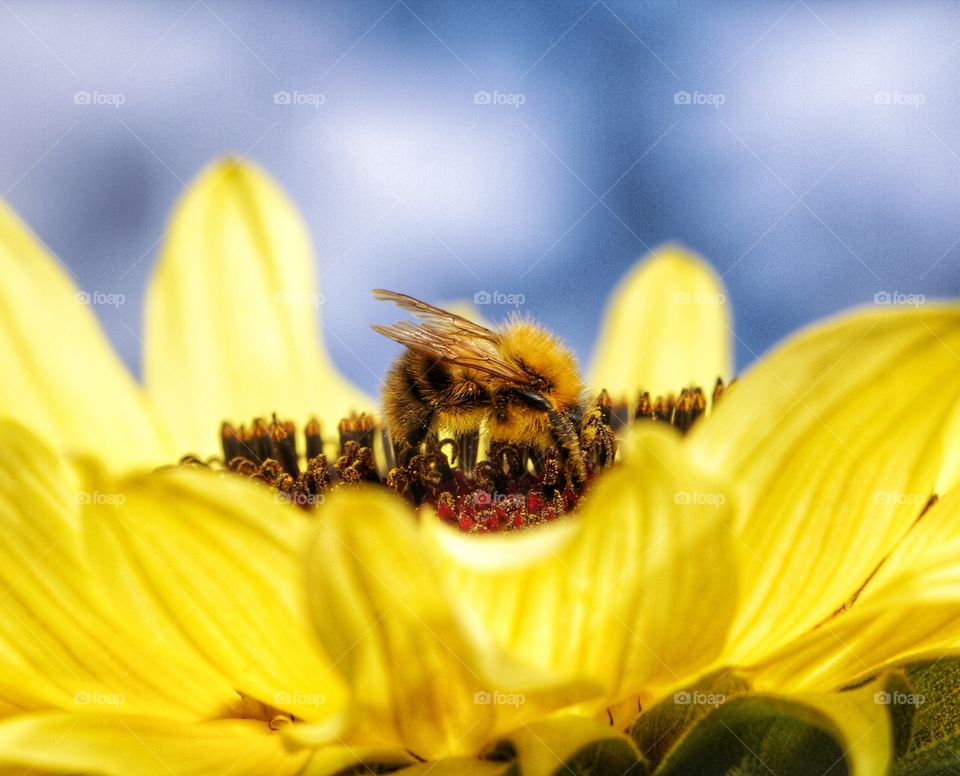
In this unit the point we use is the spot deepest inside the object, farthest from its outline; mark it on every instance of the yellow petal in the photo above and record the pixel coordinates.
(420, 678)
(124, 745)
(635, 593)
(861, 725)
(907, 611)
(232, 314)
(950, 468)
(212, 567)
(383, 618)
(62, 642)
(60, 375)
(666, 326)
(834, 440)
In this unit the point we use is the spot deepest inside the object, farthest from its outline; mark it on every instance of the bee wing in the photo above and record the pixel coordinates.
(436, 316)
(450, 344)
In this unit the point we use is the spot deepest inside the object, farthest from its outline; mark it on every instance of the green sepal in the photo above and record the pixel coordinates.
(720, 727)
(753, 733)
(572, 746)
(658, 729)
(934, 747)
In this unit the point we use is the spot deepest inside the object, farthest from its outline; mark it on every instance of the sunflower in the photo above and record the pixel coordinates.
(777, 590)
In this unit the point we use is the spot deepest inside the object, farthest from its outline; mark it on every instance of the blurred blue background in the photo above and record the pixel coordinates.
(809, 149)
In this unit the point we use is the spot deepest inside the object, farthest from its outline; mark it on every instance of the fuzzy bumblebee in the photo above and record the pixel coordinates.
(518, 380)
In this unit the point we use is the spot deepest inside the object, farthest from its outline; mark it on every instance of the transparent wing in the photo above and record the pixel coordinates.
(435, 315)
(450, 338)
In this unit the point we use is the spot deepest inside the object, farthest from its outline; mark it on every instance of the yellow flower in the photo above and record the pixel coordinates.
(183, 621)
(230, 328)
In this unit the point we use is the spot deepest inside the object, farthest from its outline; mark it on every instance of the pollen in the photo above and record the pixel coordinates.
(680, 410)
(504, 487)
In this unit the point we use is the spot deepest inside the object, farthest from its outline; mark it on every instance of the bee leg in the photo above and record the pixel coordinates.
(409, 446)
(538, 460)
(389, 452)
(598, 439)
(469, 450)
(567, 437)
(409, 412)
(608, 442)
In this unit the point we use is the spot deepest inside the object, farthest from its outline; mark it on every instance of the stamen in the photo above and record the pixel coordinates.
(718, 389)
(314, 438)
(679, 411)
(356, 428)
(515, 486)
(260, 441)
(356, 464)
(229, 441)
(285, 446)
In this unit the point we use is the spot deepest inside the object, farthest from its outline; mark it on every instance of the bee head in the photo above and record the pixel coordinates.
(555, 383)
(534, 400)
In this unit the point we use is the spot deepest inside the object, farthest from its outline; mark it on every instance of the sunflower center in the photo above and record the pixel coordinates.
(507, 488)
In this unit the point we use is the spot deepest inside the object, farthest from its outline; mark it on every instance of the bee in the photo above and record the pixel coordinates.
(518, 380)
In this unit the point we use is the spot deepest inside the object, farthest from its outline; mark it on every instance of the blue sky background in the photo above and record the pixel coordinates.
(817, 164)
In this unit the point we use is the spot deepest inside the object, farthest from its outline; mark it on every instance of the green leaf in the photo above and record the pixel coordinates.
(934, 747)
(942, 759)
(937, 686)
(657, 730)
(721, 727)
(757, 734)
